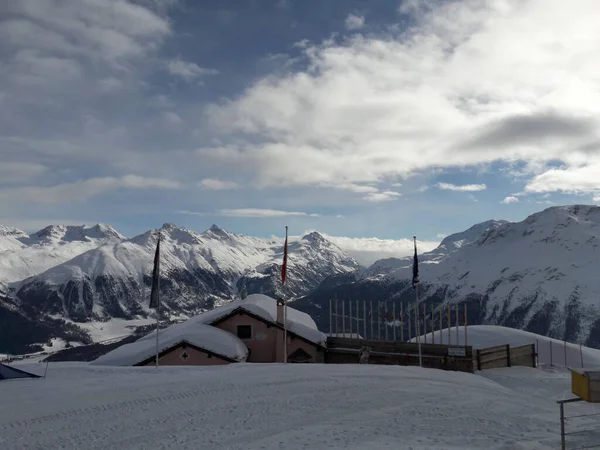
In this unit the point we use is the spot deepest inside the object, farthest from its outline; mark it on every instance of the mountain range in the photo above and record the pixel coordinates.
(62, 278)
(538, 275)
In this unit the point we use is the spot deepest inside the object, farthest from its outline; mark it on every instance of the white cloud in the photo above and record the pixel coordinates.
(110, 84)
(261, 213)
(189, 71)
(354, 22)
(82, 190)
(510, 199)
(583, 179)
(250, 213)
(96, 29)
(171, 118)
(368, 108)
(17, 172)
(384, 196)
(368, 250)
(461, 188)
(217, 185)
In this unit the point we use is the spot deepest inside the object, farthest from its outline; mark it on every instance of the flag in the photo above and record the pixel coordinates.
(154, 299)
(284, 265)
(415, 279)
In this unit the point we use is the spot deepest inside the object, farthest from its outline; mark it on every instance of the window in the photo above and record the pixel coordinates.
(244, 331)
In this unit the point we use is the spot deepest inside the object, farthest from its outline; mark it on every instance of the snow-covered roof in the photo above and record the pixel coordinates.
(191, 331)
(265, 307)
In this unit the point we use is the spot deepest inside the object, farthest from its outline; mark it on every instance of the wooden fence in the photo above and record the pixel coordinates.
(436, 356)
(504, 356)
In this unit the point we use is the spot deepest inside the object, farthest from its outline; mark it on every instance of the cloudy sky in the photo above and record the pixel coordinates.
(362, 119)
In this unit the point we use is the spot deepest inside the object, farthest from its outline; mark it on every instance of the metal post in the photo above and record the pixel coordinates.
(285, 352)
(385, 322)
(581, 354)
(432, 327)
(337, 318)
(330, 317)
(371, 305)
(401, 323)
(449, 326)
(409, 330)
(379, 320)
(551, 354)
(350, 317)
(157, 327)
(416, 318)
(394, 320)
(566, 365)
(425, 323)
(457, 335)
(365, 316)
(441, 325)
(466, 325)
(357, 319)
(343, 318)
(563, 444)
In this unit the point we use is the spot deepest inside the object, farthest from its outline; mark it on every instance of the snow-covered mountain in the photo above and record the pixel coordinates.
(23, 255)
(540, 275)
(450, 244)
(106, 276)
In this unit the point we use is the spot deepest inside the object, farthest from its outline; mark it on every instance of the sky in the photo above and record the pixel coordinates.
(371, 121)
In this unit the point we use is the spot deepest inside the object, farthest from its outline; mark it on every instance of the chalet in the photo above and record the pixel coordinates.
(247, 330)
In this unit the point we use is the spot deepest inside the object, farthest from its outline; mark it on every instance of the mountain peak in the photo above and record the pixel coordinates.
(11, 231)
(217, 231)
(75, 233)
(314, 236)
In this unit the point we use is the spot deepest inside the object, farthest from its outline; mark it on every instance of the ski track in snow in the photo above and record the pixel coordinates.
(256, 407)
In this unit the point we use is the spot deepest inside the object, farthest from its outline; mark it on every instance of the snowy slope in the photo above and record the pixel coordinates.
(550, 351)
(540, 275)
(289, 407)
(23, 255)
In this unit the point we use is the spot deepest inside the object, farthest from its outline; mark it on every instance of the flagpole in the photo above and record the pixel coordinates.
(416, 286)
(158, 296)
(285, 304)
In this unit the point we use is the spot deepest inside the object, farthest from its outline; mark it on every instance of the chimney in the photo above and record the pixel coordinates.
(280, 304)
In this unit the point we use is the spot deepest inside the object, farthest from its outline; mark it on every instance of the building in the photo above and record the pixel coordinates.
(247, 330)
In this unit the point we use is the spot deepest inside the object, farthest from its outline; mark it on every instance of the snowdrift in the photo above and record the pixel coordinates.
(550, 351)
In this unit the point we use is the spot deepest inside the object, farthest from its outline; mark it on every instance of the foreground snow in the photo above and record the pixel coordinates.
(253, 406)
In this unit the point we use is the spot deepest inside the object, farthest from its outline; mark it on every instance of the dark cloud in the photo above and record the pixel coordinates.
(529, 129)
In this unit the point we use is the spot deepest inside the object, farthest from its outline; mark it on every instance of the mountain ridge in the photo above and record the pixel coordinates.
(537, 274)
(198, 271)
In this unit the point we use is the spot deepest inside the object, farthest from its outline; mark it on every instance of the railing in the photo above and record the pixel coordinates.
(583, 441)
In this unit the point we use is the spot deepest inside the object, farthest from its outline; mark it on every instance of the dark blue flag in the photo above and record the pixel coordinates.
(154, 298)
(415, 279)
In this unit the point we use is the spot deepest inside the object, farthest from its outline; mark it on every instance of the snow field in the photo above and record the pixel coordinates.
(256, 406)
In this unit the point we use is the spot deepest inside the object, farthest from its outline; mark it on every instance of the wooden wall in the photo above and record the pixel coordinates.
(345, 351)
(504, 356)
